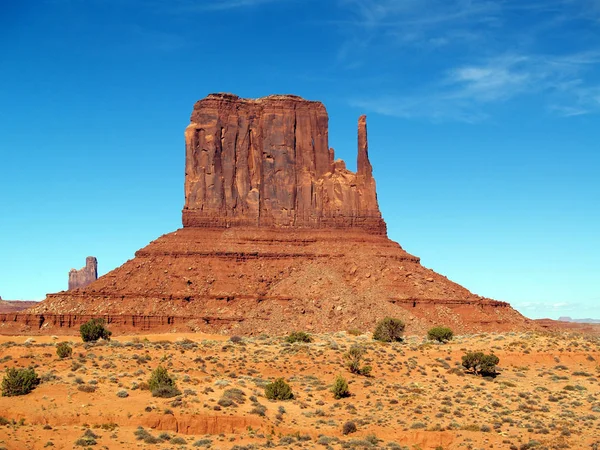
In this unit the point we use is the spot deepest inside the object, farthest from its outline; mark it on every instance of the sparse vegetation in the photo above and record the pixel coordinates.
(298, 336)
(93, 330)
(480, 364)
(340, 388)
(440, 334)
(161, 384)
(389, 330)
(549, 395)
(354, 358)
(278, 390)
(19, 382)
(64, 350)
(349, 427)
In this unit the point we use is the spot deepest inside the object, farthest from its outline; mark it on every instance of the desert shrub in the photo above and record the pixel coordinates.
(143, 435)
(236, 339)
(340, 388)
(178, 441)
(389, 330)
(161, 384)
(19, 382)
(122, 393)
(259, 409)
(354, 358)
(93, 330)
(88, 438)
(480, 363)
(86, 388)
(298, 336)
(278, 390)
(226, 402)
(64, 350)
(236, 395)
(440, 334)
(349, 427)
(354, 332)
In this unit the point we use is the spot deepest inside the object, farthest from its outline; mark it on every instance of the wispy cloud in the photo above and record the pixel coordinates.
(481, 53)
(465, 91)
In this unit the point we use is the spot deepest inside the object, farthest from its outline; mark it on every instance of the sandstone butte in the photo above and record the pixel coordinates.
(84, 276)
(277, 235)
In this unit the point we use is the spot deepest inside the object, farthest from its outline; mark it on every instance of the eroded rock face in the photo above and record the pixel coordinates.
(85, 276)
(267, 163)
(276, 232)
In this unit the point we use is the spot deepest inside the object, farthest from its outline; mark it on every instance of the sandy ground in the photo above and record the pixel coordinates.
(417, 397)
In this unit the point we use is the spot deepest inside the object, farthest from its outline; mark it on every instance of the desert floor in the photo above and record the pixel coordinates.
(417, 397)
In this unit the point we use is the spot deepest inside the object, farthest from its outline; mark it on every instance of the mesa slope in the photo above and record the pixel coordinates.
(277, 235)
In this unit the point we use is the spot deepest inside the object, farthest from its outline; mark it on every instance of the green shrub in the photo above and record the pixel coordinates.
(298, 336)
(19, 382)
(389, 330)
(340, 388)
(480, 363)
(440, 334)
(161, 384)
(64, 350)
(354, 358)
(278, 390)
(93, 330)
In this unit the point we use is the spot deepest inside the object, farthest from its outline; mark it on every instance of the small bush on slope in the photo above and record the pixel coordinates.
(440, 334)
(389, 330)
(278, 390)
(64, 350)
(340, 388)
(93, 330)
(19, 382)
(161, 384)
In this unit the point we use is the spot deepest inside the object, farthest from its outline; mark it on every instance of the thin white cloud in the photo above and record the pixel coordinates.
(497, 59)
(465, 92)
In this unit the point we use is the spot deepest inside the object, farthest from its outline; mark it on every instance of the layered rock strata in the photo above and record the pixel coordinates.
(255, 280)
(277, 236)
(267, 162)
(85, 276)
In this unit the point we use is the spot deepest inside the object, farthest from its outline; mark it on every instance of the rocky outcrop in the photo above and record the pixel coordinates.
(277, 236)
(84, 277)
(267, 162)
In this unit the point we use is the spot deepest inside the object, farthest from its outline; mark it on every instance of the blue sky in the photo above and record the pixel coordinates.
(483, 121)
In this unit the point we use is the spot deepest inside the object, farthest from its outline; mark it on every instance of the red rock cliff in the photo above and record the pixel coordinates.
(267, 162)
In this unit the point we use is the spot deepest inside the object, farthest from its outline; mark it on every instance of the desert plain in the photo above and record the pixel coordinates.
(418, 395)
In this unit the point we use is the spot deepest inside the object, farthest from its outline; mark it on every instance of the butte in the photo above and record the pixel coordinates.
(277, 236)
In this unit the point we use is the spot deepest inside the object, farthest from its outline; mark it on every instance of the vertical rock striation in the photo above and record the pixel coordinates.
(85, 276)
(267, 163)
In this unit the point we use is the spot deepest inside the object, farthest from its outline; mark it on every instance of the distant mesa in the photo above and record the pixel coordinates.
(84, 277)
(586, 320)
(13, 306)
(277, 235)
